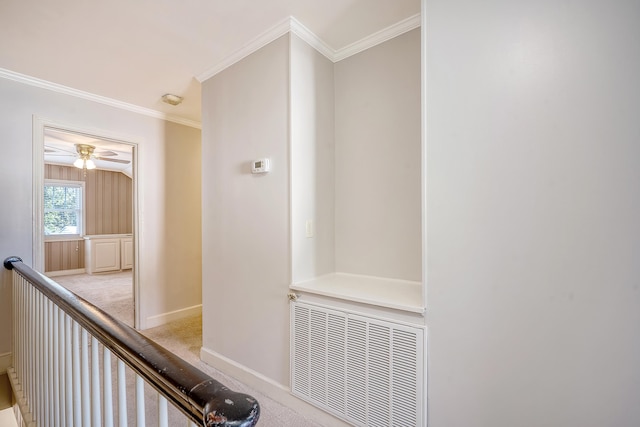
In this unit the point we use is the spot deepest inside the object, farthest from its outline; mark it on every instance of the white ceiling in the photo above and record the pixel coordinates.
(136, 51)
(60, 149)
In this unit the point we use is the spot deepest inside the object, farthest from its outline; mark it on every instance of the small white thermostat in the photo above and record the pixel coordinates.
(260, 166)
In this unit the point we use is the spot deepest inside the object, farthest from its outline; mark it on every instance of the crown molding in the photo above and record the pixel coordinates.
(294, 26)
(290, 24)
(278, 30)
(376, 38)
(311, 39)
(66, 90)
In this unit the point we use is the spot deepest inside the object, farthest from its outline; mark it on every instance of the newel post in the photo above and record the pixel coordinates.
(8, 262)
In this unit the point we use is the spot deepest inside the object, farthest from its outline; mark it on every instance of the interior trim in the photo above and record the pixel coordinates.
(294, 26)
(312, 39)
(39, 124)
(381, 36)
(285, 26)
(273, 33)
(170, 316)
(66, 90)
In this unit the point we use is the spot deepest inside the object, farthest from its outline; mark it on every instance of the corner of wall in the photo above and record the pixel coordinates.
(267, 387)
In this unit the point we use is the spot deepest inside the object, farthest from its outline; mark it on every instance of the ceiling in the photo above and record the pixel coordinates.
(60, 148)
(136, 51)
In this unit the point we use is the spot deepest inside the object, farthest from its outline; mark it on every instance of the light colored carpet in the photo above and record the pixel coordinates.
(114, 294)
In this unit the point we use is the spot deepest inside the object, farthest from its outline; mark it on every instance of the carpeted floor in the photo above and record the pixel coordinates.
(114, 294)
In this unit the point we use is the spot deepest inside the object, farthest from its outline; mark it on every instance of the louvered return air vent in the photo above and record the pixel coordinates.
(367, 371)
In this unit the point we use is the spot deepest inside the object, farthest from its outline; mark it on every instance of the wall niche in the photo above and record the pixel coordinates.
(356, 195)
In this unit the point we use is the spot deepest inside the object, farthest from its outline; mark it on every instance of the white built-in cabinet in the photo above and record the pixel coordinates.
(108, 252)
(126, 253)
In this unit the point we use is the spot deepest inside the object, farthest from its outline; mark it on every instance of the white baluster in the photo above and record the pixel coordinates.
(23, 332)
(16, 330)
(96, 419)
(36, 409)
(68, 352)
(24, 365)
(61, 367)
(42, 362)
(86, 391)
(33, 378)
(23, 335)
(108, 396)
(163, 420)
(24, 361)
(56, 368)
(43, 357)
(35, 405)
(29, 383)
(19, 327)
(16, 327)
(25, 342)
(51, 350)
(140, 421)
(122, 395)
(77, 390)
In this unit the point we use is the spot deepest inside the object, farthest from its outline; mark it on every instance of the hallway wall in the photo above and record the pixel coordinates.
(533, 237)
(170, 232)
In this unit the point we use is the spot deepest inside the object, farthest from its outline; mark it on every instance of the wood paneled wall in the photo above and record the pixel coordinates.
(63, 255)
(108, 210)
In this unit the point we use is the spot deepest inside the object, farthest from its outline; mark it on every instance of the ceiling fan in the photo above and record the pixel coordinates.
(85, 154)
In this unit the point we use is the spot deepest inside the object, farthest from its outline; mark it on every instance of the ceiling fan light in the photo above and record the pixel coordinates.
(79, 163)
(90, 164)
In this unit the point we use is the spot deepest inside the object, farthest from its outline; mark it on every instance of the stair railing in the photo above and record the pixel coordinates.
(63, 364)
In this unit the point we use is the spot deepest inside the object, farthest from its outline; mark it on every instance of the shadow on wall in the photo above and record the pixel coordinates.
(181, 229)
(6, 319)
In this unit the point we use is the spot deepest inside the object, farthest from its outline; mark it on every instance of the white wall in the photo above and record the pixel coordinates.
(171, 248)
(169, 184)
(246, 241)
(280, 102)
(533, 160)
(312, 161)
(378, 212)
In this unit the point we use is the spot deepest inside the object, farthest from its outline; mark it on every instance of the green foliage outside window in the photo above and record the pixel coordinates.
(62, 209)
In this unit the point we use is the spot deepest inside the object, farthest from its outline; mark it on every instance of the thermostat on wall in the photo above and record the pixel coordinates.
(260, 166)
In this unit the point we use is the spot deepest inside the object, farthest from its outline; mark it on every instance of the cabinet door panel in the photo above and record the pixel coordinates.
(106, 255)
(126, 253)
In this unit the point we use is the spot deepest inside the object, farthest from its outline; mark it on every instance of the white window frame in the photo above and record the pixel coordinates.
(81, 226)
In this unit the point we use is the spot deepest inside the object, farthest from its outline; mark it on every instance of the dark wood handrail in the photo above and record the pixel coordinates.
(204, 400)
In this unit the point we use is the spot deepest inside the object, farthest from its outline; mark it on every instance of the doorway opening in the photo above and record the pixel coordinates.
(86, 215)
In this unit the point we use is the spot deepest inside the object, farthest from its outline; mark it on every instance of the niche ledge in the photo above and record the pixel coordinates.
(397, 294)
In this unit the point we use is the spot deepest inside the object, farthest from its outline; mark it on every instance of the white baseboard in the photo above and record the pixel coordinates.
(268, 387)
(64, 272)
(8, 418)
(161, 319)
(5, 362)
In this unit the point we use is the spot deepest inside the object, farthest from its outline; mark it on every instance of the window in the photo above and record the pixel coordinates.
(63, 208)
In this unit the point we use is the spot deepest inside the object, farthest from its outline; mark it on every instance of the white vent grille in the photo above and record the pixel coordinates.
(367, 371)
